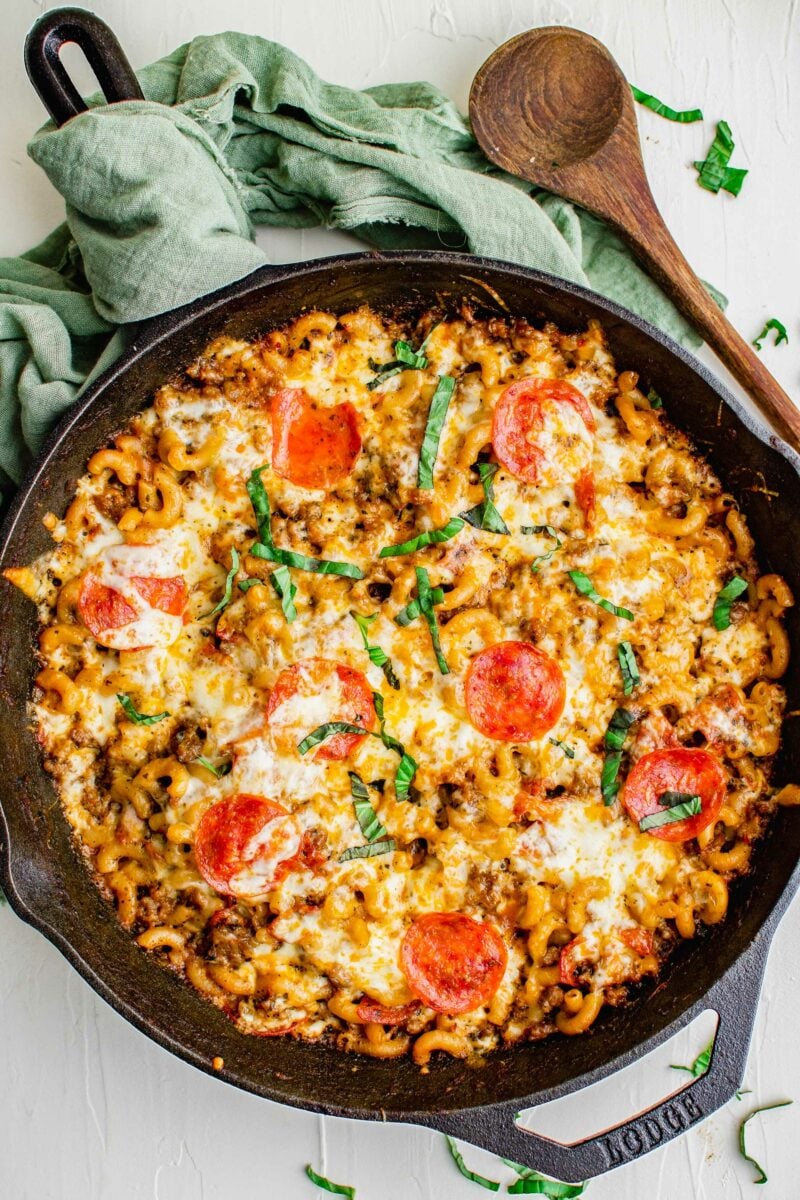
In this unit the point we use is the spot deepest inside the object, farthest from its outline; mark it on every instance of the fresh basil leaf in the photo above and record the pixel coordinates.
(426, 603)
(222, 769)
(137, 717)
(265, 547)
(290, 558)
(408, 766)
(628, 666)
(618, 726)
(410, 358)
(322, 732)
(700, 1064)
(368, 851)
(383, 372)
(431, 537)
(531, 1183)
(613, 741)
(541, 559)
(586, 588)
(458, 1159)
(366, 816)
(762, 1176)
(485, 515)
(721, 615)
(281, 580)
(609, 783)
(437, 412)
(679, 812)
(685, 116)
(229, 578)
(570, 753)
(260, 502)
(713, 172)
(668, 799)
(654, 399)
(414, 609)
(780, 333)
(340, 1189)
(246, 584)
(377, 656)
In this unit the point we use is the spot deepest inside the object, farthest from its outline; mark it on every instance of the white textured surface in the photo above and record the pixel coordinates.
(89, 1108)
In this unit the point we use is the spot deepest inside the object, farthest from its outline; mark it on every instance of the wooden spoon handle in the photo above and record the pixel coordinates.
(644, 228)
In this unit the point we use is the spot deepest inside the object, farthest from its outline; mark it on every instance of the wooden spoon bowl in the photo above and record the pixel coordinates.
(553, 107)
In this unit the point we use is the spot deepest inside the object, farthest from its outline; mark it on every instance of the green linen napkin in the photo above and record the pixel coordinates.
(162, 196)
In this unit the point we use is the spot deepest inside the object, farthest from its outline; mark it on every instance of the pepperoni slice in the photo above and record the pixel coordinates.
(374, 1013)
(637, 939)
(313, 692)
(103, 609)
(514, 692)
(679, 769)
(313, 446)
(242, 843)
(452, 963)
(531, 425)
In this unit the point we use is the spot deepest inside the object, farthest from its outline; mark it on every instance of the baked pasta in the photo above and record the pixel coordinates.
(410, 685)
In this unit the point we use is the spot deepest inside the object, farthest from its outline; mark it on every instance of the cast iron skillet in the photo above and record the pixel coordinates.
(48, 886)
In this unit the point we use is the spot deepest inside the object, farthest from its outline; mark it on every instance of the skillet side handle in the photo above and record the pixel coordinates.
(103, 53)
(734, 998)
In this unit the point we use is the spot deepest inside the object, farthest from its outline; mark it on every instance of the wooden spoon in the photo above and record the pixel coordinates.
(553, 107)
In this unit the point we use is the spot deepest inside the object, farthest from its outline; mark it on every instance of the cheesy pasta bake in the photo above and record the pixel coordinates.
(409, 684)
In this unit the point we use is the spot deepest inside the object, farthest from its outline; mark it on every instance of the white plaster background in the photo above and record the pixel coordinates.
(89, 1108)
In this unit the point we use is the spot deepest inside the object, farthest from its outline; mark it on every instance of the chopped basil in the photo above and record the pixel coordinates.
(410, 358)
(340, 1189)
(260, 502)
(321, 566)
(713, 172)
(654, 399)
(226, 595)
(323, 732)
(377, 656)
(780, 333)
(431, 537)
(458, 1159)
(700, 1064)
(628, 666)
(366, 816)
(137, 717)
(722, 605)
(692, 807)
(570, 753)
(762, 1177)
(685, 116)
(246, 584)
(368, 851)
(433, 430)
(423, 606)
(669, 798)
(281, 580)
(613, 741)
(541, 559)
(485, 515)
(405, 358)
(618, 726)
(265, 547)
(407, 767)
(586, 588)
(222, 769)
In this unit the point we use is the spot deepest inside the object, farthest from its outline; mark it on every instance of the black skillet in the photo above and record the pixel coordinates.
(48, 885)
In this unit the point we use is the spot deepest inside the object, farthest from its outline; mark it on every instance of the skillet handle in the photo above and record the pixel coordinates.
(734, 998)
(103, 53)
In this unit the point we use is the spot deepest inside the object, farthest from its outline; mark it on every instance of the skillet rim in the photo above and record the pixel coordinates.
(146, 337)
